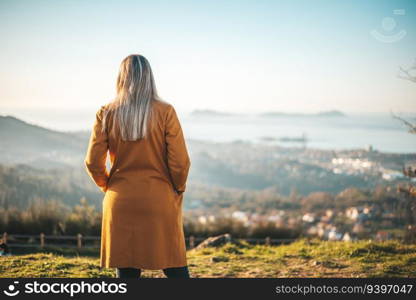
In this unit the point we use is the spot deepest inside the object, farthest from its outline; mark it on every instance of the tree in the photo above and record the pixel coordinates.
(407, 74)
(409, 191)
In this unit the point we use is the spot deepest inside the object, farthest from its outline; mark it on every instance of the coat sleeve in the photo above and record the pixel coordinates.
(95, 159)
(177, 154)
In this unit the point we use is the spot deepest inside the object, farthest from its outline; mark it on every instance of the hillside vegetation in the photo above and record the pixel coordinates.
(303, 258)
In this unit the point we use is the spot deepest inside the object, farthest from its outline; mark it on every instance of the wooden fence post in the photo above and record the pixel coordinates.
(191, 242)
(79, 240)
(267, 241)
(5, 237)
(42, 240)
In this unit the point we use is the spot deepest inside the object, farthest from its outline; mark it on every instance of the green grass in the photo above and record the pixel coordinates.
(303, 258)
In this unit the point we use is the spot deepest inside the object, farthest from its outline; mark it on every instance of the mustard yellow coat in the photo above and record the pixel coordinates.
(142, 210)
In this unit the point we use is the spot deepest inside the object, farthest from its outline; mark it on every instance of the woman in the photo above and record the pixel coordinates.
(142, 207)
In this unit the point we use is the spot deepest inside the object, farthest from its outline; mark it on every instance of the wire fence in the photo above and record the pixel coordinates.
(80, 241)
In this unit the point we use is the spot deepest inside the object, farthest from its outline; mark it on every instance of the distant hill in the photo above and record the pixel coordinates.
(22, 142)
(330, 113)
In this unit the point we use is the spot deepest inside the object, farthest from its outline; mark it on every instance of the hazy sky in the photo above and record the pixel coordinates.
(236, 56)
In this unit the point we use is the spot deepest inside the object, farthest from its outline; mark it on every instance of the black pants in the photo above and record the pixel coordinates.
(179, 272)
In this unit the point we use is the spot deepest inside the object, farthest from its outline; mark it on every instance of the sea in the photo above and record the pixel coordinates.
(380, 131)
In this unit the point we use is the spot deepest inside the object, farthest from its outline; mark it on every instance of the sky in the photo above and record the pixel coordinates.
(233, 56)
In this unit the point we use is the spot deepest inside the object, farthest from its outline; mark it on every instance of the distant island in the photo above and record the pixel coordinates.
(330, 113)
(215, 113)
(210, 113)
(303, 138)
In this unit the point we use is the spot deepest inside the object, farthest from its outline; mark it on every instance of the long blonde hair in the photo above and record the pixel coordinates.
(132, 106)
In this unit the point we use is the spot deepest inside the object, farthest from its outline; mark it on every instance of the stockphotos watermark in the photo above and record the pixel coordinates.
(71, 289)
(389, 32)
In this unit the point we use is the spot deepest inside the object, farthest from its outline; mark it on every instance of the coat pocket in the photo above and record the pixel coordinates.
(111, 175)
(175, 193)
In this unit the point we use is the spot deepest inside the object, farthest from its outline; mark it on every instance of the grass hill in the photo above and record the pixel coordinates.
(303, 258)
